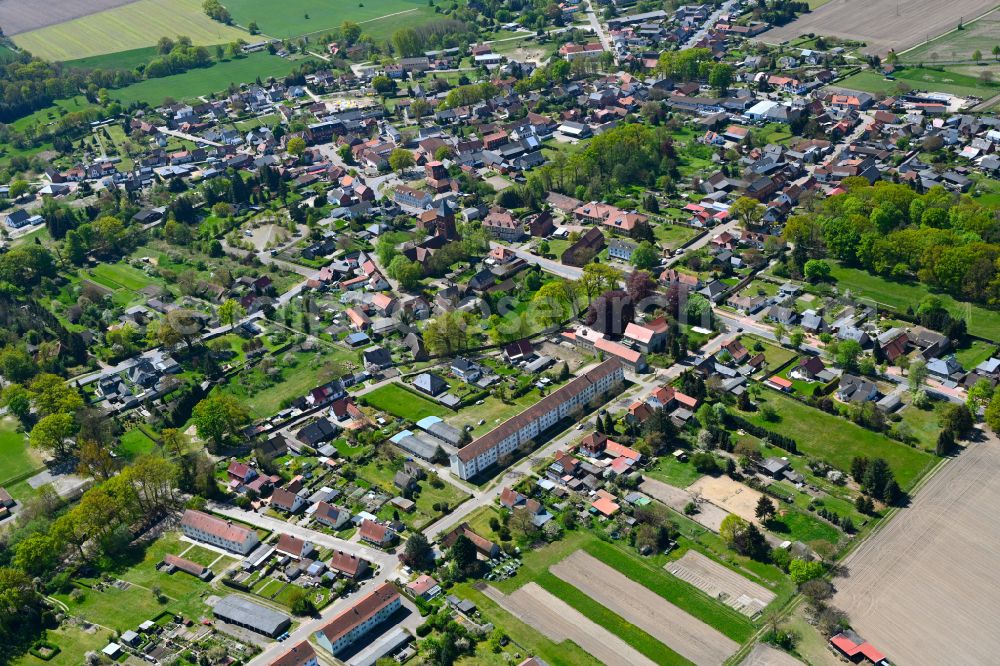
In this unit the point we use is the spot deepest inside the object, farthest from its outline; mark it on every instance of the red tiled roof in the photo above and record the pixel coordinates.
(360, 612)
(421, 585)
(348, 564)
(546, 404)
(850, 648)
(372, 531)
(291, 545)
(296, 656)
(192, 568)
(216, 526)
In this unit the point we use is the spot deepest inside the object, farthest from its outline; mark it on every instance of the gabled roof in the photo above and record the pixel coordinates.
(360, 612)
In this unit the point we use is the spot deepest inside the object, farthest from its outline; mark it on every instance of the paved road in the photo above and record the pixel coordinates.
(188, 137)
(549, 265)
(713, 18)
(385, 562)
(597, 28)
(643, 385)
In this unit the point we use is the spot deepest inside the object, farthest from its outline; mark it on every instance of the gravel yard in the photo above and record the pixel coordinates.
(731, 496)
(708, 514)
(647, 610)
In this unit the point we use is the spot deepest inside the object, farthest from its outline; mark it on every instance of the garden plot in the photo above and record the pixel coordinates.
(559, 622)
(765, 655)
(729, 495)
(708, 514)
(721, 583)
(688, 636)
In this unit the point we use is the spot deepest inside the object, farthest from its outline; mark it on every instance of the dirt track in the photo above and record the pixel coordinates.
(560, 622)
(17, 16)
(688, 636)
(875, 22)
(924, 589)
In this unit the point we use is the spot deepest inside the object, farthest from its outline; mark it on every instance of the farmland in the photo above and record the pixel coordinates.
(17, 16)
(959, 45)
(921, 78)
(899, 295)
(939, 553)
(878, 24)
(134, 26)
(299, 17)
(197, 82)
(837, 441)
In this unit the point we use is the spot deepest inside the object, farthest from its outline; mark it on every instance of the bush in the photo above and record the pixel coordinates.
(423, 630)
(44, 650)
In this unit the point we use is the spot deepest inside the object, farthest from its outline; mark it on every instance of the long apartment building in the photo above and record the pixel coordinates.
(506, 437)
(356, 621)
(218, 532)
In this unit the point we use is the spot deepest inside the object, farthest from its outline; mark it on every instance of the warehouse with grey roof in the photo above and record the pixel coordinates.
(249, 615)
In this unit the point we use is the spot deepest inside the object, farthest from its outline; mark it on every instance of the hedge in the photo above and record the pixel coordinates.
(37, 647)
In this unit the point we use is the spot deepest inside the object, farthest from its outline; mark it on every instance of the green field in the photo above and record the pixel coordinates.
(299, 17)
(959, 45)
(837, 440)
(125, 28)
(403, 403)
(669, 470)
(216, 78)
(74, 643)
(899, 295)
(135, 443)
(921, 79)
(15, 460)
(120, 60)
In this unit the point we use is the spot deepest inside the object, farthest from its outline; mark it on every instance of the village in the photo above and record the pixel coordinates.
(612, 348)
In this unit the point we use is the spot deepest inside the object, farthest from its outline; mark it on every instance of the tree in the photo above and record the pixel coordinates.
(748, 211)
(816, 270)
(956, 419)
(417, 551)
(51, 433)
(721, 77)
(18, 189)
(463, 555)
(407, 273)
(848, 352)
(401, 159)
(50, 395)
(796, 337)
(802, 571)
(645, 255)
(977, 55)
(917, 375)
(219, 416)
(765, 509)
(95, 461)
(296, 146)
(299, 602)
(16, 364)
(17, 399)
(231, 312)
(992, 416)
(979, 395)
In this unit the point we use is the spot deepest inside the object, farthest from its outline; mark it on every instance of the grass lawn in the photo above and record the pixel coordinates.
(958, 44)
(119, 609)
(527, 637)
(673, 235)
(921, 79)
(74, 643)
(405, 404)
(898, 295)
(345, 449)
(776, 355)
(494, 411)
(306, 371)
(15, 457)
(803, 527)
(974, 352)
(200, 555)
(206, 81)
(924, 423)
(298, 17)
(669, 470)
(133, 26)
(614, 623)
(837, 440)
(135, 443)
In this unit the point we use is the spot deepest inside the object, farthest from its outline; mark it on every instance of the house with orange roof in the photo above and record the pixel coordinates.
(605, 506)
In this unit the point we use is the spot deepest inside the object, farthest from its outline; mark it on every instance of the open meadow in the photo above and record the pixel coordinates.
(935, 561)
(132, 26)
(959, 45)
(921, 78)
(299, 17)
(877, 23)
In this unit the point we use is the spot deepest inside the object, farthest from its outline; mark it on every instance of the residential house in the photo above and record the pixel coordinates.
(331, 515)
(286, 500)
(376, 534)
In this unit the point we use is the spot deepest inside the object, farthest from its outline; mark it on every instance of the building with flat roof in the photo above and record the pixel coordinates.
(245, 613)
(355, 621)
(506, 437)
